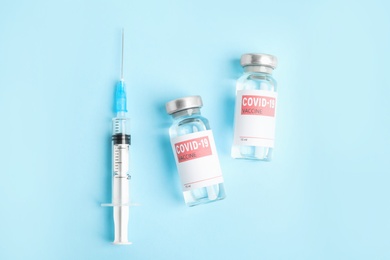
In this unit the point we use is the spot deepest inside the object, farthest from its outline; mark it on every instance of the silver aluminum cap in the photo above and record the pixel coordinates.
(183, 103)
(253, 59)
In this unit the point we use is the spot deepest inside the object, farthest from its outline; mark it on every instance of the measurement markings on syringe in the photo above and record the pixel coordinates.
(119, 152)
(193, 149)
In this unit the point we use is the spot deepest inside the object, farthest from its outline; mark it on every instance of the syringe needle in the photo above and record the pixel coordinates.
(123, 44)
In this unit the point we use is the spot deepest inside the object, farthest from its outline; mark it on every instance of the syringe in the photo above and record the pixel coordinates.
(120, 162)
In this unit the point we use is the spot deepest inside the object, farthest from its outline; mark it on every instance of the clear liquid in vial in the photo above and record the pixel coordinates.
(187, 125)
(254, 81)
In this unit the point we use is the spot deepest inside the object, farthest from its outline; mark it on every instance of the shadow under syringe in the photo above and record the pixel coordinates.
(107, 187)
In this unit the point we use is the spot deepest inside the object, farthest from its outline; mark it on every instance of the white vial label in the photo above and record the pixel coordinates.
(197, 160)
(255, 118)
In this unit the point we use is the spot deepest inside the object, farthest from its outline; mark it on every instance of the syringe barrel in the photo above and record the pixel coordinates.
(121, 125)
(121, 177)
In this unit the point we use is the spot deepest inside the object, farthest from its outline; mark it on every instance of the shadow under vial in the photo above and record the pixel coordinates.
(229, 101)
(171, 177)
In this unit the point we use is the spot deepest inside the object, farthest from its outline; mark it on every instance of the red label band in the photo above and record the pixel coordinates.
(258, 105)
(193, 149)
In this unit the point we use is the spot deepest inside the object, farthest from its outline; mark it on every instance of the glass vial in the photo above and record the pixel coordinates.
(195, 153)
(254, 119)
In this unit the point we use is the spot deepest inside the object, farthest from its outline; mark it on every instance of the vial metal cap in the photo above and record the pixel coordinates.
(183, 103)
(261, 59)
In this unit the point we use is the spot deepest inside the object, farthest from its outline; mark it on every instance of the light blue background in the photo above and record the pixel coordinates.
(324, 196)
